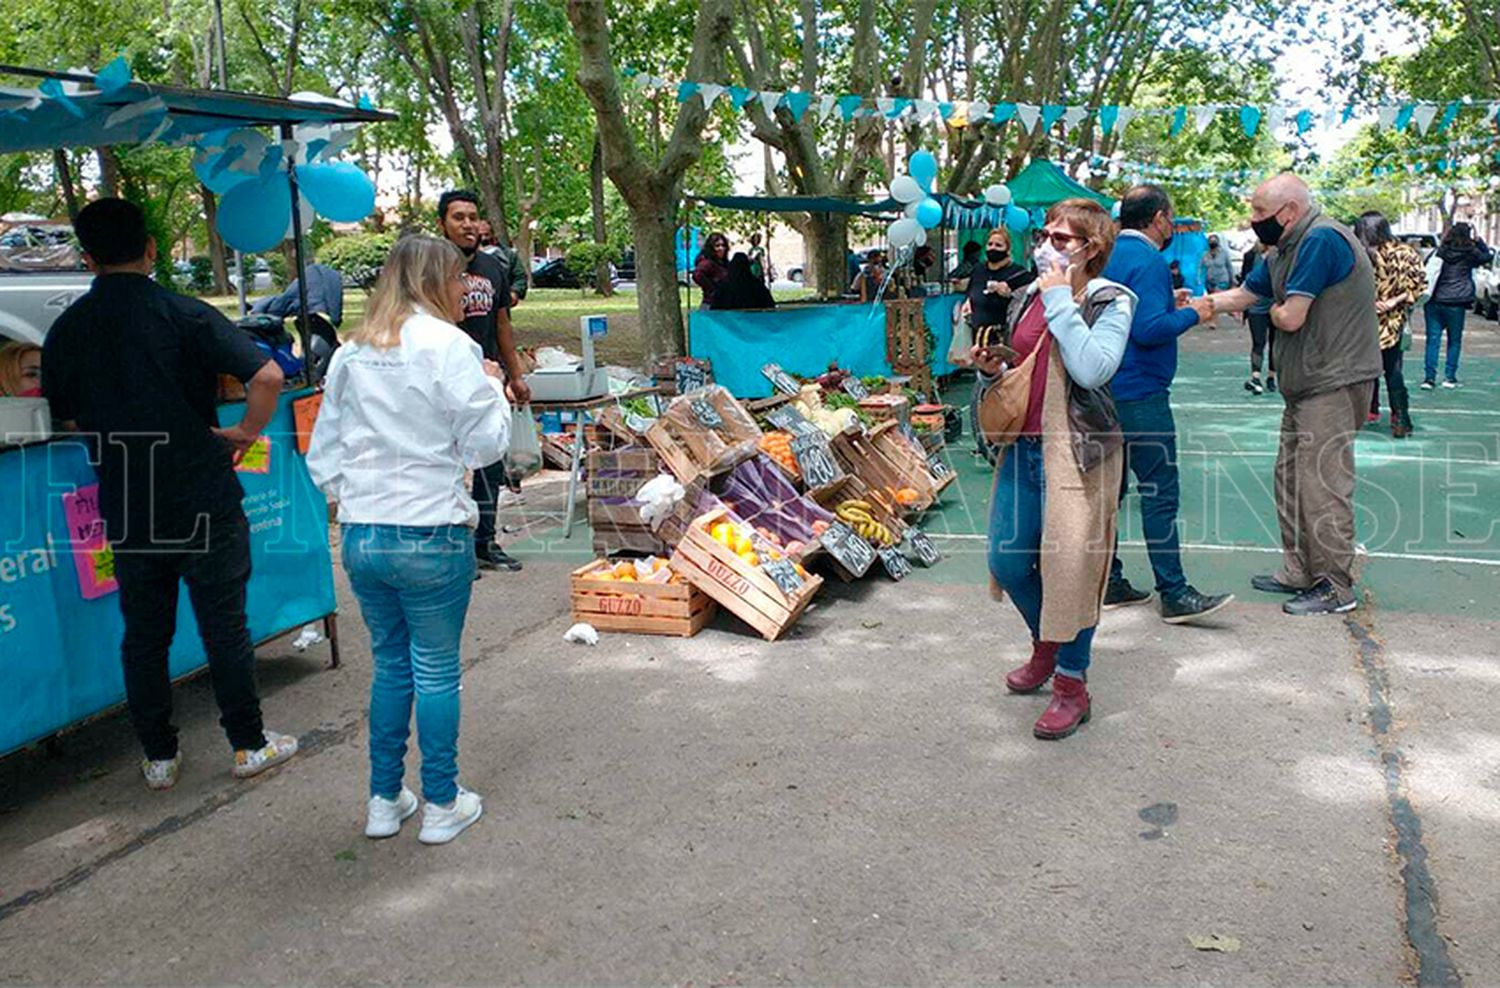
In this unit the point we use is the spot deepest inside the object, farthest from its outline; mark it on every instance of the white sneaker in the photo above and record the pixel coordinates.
(1450, 385)
(440, 824)
(278, 748)
(385, 816)
(510, 499)
(161, 773)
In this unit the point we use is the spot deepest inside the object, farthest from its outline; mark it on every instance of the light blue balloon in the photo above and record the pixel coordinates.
(253, 216)
(221, 183)
(338, 190)
(922, 166)
(929, 213)
(1017, 220)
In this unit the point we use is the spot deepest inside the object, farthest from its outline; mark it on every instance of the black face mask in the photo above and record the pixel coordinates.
(1268, 231)
(995, 256)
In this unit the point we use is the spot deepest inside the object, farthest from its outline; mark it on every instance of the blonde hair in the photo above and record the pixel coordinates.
(12, 357)
(414, 276)
(1092, 222)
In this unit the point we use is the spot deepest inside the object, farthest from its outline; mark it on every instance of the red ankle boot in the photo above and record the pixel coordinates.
(1068, 710)
(1037, 670)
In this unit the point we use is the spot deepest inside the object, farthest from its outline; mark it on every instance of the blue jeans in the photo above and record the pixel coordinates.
(1016, 518)
(1151, 454)
(1441, 318)
(413, 586)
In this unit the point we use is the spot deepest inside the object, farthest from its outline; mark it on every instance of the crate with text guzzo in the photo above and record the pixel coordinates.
(643, 596)
(726, 559)
(704, 433)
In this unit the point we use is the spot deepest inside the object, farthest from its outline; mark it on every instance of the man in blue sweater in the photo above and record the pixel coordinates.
(1141, 388)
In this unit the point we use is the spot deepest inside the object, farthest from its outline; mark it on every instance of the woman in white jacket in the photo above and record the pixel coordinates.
(409, 405)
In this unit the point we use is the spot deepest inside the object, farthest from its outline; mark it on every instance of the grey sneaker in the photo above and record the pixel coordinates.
(1320, 598)
(278, 748)
(384, 817)
(1121, 594)
(161, 773)
(440, 824)
(1190, 605)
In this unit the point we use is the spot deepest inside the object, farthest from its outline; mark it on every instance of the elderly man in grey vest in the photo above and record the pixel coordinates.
(1327, 352)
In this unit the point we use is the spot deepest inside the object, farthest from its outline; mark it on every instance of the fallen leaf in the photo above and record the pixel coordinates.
(1215, 942)
(870, 625)
(344, 856)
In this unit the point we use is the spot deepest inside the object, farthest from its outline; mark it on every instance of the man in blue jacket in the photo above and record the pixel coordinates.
(1142, 394)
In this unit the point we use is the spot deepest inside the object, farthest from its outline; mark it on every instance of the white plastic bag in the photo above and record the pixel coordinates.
(581, 634)
(657, 497)
(524, 457)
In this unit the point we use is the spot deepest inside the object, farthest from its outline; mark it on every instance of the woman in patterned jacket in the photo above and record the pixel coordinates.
(1399, 281)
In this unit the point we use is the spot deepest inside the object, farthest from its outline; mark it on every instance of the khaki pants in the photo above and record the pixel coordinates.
(1315, 486)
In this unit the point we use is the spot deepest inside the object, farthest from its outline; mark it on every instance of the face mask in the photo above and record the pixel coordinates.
(995, 256)
(1049, 258)
(1166, 238)
(1269, 230)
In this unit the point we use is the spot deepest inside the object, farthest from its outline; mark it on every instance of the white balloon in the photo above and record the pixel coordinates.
(906, 190)
(997, 195)
(905, 232)
(911, 208)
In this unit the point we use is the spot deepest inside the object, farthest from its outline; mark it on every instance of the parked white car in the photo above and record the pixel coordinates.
(1487, 290)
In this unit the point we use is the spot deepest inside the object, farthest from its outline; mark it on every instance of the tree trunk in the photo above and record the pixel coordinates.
(656, 280)
(65, 181)
(596, 204)
(109, 172)
(827, 238)
(215, 242)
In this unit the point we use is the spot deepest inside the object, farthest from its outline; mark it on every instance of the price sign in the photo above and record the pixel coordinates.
(896, 566)
(815, 461)
(938, 467)
(637, 423)
(788, 418)
(855, 388)
(852, 552)
(690, 375)
(780, 379)
(923, 546)
(705, 412)
(784, 574)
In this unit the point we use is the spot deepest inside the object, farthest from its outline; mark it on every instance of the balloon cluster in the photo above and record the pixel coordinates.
(914, 191)
(249, 173)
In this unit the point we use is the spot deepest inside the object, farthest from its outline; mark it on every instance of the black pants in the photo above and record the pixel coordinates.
(1395, 386)
(1260, 331)
(488, 483)
(216, 571)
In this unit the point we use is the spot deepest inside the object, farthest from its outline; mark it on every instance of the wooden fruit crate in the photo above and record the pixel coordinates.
(744, 590)
(906, 342)
(911, 459)
(885, 460)
(618, 527)
(887, 408)
(643, 608)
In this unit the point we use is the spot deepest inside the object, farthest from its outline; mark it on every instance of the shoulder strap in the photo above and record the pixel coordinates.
(1098, 301)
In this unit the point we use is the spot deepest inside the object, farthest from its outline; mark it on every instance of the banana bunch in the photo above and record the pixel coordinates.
(857, 515)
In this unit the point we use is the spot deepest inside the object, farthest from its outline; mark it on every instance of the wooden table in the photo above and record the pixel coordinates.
(579, 442)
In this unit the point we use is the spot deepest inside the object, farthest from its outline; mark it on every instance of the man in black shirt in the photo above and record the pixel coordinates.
(136, 368)
(487, 302)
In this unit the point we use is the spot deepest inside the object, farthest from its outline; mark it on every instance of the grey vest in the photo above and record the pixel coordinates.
(1339, 344)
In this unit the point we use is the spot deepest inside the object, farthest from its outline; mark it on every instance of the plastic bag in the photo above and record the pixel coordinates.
(524, 457)
(657, 498)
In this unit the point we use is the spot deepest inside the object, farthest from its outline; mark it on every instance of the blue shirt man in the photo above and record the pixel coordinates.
(1141, 388)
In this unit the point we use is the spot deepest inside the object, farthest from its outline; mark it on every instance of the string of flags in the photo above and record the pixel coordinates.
(1423, 116)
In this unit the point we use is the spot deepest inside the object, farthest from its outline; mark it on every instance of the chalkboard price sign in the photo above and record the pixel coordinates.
(815, 460)
(780, 379)
(938, 467)
(855, 388)
(896, 566)
(923, 546)
(690, 376)
(788, 418)
(852, 552)
(705, 412)
(784, 574)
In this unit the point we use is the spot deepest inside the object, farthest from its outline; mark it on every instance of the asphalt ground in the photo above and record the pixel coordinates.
(858, 803)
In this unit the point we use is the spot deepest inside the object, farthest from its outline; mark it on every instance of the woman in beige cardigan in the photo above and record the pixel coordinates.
(1052, 518)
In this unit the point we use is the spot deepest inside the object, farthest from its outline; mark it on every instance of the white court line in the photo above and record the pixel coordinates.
(1360, 456)
(1419, 410)
(1418, 557)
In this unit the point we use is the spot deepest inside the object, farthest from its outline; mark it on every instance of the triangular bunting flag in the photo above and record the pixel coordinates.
(1304, 121)
(925, 108)
(1330, 118)
(826, 106)
(1275, 117)
(53, 90)
(945, 111)
(1450, 114)
(1404, 115)
(1108, 117)
(1127, 114)
(768, 100)
(130, 111)
(686, 91)
(979, 111)
(1385, 115)
(1250, 120)
(113, 77)
(849, 105)
(1004, 112)
(1203, 117)
(1073, 116)
(739, 96)
(900, 107)
(798, 104)
(641, 80)
(1423, 116)
(1028, 114)
(886, 105)
(710, 92)
(1179, 121)
(1051, 114)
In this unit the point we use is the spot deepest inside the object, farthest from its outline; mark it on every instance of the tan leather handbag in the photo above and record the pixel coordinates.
(1002, 407)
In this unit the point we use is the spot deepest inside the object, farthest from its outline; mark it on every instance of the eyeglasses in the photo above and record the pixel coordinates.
(1061, 238)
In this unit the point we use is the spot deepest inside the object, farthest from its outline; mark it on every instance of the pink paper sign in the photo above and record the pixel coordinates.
(93, 559)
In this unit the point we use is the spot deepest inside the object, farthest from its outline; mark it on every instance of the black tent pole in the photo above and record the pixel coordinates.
(303, 333)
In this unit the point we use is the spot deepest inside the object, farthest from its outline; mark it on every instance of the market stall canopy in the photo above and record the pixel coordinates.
(71, 109)
(1041, 184)
(801, 204)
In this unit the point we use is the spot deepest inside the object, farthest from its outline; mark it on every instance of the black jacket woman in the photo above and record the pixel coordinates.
(1452, 296)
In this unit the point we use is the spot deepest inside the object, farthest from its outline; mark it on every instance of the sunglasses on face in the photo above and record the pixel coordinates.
(1062, 240)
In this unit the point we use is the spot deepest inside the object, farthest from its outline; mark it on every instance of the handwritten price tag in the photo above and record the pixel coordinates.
(257, 458)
